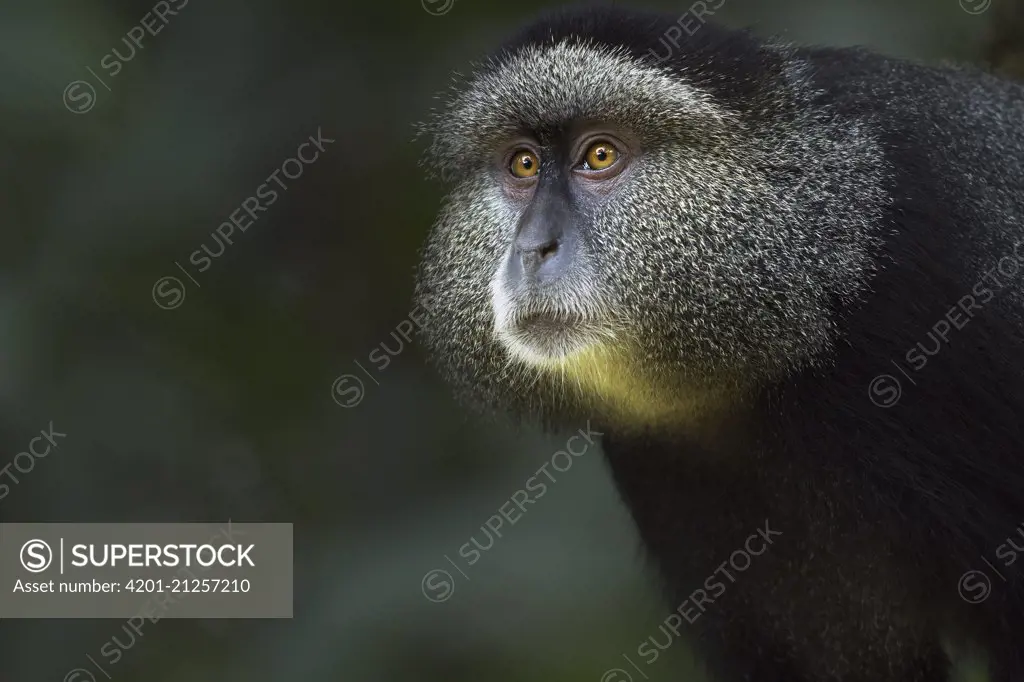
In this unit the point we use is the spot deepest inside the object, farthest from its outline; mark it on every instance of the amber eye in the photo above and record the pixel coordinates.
(601, 155)
(525, 164)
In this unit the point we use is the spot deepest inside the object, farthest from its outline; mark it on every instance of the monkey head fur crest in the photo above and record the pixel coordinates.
(714, 259)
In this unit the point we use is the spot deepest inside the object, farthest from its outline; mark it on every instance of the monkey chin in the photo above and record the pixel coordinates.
(600, 369)
(548, 343)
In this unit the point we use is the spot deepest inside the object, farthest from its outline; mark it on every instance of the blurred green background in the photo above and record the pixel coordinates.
(225, 406)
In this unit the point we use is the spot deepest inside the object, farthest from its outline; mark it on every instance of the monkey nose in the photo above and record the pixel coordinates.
(541, 262)
(534, 257)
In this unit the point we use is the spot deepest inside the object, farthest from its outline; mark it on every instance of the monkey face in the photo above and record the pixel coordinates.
(616, 240)
(550, 298)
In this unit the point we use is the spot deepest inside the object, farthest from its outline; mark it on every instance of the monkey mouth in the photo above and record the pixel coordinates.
(544, 332)
(542, 338)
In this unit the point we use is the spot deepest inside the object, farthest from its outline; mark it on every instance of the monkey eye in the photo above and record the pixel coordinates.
(600, 155)
(524, 164)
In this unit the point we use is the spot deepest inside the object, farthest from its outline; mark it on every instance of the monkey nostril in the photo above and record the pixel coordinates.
(541, 261)
(547, 250)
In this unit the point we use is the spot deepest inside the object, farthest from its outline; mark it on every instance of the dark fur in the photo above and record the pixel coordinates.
(881, 510)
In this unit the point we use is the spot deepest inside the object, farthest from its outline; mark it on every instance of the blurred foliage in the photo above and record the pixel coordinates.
(222, 407)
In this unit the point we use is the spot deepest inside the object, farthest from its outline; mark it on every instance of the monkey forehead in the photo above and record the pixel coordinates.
(544, 86)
